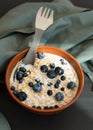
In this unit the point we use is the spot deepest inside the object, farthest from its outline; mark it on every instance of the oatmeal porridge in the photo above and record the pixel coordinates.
(50, 83)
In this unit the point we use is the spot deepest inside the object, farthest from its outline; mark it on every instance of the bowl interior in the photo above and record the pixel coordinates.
(52, 50)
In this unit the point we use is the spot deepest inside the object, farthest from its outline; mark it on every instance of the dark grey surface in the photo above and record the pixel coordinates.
(79, 116)
(83, 3)
(5, 5)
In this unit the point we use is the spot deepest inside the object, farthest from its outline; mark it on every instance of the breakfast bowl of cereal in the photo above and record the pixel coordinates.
(52, 84)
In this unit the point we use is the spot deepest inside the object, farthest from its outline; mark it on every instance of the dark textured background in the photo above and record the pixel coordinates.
(76, 117)
(5, 5)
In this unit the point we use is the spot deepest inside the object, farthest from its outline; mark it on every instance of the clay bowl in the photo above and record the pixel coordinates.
(56, 51)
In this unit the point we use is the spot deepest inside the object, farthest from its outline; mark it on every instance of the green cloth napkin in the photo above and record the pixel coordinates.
(4, 125)
(72, 31)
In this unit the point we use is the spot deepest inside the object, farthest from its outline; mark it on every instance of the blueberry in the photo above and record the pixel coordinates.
(59, 96)
(19, 75)
(49, 92)
(37, 87)
(56, 106)
(21, 96)
(58, 81)
(62, 89)
(52, 65)
(62, 61)
(46, 107)
(23, 69)
(59, 71)
(63, 78)
(71, 85)
(12, 88)
(56, 85)
(51, 74)
(34, 106)
(44, 68)
(38, 107)
(37, 80)
(30, 84)
(40, 55)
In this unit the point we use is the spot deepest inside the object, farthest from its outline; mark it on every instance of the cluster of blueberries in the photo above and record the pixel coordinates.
(37, 86)
(21, 73)
(52, 73)
(20, 95)
(46, 107)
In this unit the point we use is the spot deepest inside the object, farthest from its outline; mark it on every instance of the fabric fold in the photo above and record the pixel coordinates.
(72, 31)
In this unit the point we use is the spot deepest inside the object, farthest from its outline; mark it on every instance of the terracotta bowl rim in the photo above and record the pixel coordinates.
(41, 111)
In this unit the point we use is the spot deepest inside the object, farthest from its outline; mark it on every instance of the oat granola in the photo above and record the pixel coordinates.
(50, 82)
